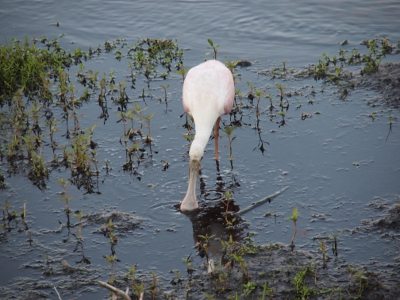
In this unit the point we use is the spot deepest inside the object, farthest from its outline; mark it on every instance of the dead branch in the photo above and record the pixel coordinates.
(258, 203)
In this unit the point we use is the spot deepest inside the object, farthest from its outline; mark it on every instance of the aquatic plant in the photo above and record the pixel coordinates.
(204, 244)
(333, 69)
(226, 200)
(358, 280)
(228, 131)
(149, 53)
(213, 47)
(303, 291)
(36, 82)
(243, 266)
(81, 154)
(189, 266)
(182, 71)
(79, 215)
(112, 259)
(322, 247)
(147, 118)
(248, 288)
(64, 184)
(294, 217)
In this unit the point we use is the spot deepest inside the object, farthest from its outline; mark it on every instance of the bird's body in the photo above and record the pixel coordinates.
(208, 93)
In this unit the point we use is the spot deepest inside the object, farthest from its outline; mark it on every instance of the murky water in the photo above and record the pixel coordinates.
(314, 157)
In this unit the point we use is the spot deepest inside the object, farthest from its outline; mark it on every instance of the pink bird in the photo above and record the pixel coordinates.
(208, 93)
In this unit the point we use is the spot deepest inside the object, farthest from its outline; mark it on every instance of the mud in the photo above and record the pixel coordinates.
(387, 81)
(391, 220)
(69, 280)
(277, 272)
(264, 272)
(121, 222)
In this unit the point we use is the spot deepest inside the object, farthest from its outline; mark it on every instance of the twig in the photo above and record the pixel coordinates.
(114, 290)
(59, 297)
(258, 203)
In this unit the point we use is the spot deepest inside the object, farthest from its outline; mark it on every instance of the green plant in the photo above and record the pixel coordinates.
(248, 288)
(165, 91)
(360, 280)
(220, 278)
(302, 288)
(64, 184)
(79, 215)
(182, 71)
(294, 217)
(109, 230)
(78, 153)
(230, 248)
(204, 244)
(189, 266)
(213, 47)
(147, 118)
(112, 260)
(227, 215)
(334, 237)
(208, 296)
(138, 289)
(266, 290)
(243, 266)
(228, 131)
(322, 247)
(153, 286)
(178, 278)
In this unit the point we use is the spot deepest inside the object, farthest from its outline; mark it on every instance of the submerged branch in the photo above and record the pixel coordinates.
(262, 201)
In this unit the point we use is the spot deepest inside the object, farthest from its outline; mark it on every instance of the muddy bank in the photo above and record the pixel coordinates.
(247, 271)
(244, 270)
(386, 80)
(274, 271)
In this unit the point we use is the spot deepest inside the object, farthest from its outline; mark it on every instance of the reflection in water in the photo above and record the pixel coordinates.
(221, 185)
(216, 220)
(216, 223)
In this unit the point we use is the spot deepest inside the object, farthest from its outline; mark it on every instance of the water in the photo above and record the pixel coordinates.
(314, 157)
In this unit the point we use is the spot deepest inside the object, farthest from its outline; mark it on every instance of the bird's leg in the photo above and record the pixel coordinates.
(216, 134)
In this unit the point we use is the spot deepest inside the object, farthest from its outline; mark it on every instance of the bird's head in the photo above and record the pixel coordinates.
(196, 151)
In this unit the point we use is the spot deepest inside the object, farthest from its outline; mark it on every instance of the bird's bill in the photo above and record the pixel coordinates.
(190, 203)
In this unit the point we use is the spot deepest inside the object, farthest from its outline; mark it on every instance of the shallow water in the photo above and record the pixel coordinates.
(314, 157)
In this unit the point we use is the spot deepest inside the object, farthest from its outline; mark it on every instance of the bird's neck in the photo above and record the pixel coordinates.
(200, 141)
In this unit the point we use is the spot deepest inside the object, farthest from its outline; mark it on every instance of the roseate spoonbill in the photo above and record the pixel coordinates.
(208, 93)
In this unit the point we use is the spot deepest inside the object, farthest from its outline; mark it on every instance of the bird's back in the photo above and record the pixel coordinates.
(208, 87)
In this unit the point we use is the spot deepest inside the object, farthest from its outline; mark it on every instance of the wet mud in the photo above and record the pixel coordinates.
(272, 271)
(121, 222)
(276, 271)
(387, 81)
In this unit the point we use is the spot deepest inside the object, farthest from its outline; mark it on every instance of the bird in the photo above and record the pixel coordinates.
(208, 93)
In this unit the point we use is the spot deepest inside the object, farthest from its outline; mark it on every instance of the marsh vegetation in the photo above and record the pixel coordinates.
(47, 137)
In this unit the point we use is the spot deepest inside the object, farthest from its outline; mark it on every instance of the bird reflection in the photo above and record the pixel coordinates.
(221, 185)
(214, 222)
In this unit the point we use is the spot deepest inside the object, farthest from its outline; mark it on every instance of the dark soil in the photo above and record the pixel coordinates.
(257, 272)
(278, 272)
(387, 81)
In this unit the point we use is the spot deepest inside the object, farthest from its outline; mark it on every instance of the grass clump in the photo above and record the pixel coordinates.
(38, 98)
(28, 69)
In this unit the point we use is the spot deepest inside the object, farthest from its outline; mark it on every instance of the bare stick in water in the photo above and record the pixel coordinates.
(258, 203)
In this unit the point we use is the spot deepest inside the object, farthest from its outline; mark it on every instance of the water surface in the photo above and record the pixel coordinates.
(314, 157)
